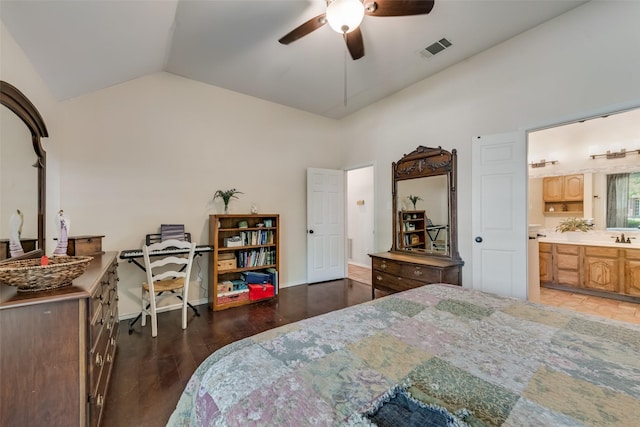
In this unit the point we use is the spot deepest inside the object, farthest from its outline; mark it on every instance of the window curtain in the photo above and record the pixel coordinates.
(617, 199)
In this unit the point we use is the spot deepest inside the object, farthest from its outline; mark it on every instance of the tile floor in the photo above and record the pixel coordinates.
(605, 307)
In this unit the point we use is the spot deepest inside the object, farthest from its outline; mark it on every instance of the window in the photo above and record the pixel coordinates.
(623, 200)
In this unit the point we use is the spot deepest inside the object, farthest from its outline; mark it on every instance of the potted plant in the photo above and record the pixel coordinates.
(226, 197)
(414, 200)
(572, 226)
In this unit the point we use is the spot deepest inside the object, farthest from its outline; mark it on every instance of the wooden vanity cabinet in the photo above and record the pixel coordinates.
(57, 349)
(567, 264)
(546, 262)
(606, 271)
(564, 188)
(632, 272)
(395, 272)
(601, 268)
(563, 194)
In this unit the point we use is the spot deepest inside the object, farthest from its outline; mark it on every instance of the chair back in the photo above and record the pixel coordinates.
(167, 265)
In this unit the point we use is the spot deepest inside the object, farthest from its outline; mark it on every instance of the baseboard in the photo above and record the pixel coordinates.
(357, 264)
(200, 301)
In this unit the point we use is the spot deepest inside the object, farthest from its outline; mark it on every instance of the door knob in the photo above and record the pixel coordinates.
(310, 231)
(479, 239)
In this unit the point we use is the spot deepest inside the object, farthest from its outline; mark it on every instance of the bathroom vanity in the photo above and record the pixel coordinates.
(607, 269)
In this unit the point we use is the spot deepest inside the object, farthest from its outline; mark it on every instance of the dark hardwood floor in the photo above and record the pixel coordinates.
(149, 374)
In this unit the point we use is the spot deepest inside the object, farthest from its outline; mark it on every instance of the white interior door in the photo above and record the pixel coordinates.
(325, 225)
(499, 217)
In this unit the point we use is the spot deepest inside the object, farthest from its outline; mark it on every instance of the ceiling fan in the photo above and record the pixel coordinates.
(345, 16)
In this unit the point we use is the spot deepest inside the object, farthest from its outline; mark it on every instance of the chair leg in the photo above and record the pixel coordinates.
(143, 311)
(184, 308)
(154, 316)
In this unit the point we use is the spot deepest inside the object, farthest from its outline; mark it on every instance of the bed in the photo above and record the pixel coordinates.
(463, 356)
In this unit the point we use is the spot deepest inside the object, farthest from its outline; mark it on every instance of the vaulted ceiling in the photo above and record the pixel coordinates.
(83, 46)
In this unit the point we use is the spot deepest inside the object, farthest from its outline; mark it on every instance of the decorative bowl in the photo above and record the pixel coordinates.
(29, 276)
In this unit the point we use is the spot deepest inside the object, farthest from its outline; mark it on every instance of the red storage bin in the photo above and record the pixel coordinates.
(265, 290)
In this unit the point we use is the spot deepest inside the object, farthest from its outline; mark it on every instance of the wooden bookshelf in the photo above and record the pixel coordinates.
(241, 244)
(413, 234)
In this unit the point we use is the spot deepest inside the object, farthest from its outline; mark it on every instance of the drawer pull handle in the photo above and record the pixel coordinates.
(378, 277)
(383, 265)
(99, 400)
(98, 360)
(109, 358)
(113, 341)
(417, 272)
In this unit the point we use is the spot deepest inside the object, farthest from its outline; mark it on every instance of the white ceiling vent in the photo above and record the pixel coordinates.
(435, 48)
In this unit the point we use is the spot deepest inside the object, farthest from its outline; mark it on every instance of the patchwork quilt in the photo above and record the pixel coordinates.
(480, 359)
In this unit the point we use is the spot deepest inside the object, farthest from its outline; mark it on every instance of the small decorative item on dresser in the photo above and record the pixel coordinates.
(31, 275)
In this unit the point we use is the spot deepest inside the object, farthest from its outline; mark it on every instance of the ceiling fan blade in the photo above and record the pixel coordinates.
(304, 29)
(397, 7)
(355, 43)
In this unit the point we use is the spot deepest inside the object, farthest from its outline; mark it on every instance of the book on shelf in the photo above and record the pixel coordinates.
(256, 237)
(256, 257)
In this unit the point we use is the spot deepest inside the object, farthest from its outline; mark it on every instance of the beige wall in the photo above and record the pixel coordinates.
(154, 150)
(15, 68)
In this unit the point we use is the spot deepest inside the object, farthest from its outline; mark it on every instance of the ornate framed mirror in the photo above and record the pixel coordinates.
(425, 203)
(23, 171)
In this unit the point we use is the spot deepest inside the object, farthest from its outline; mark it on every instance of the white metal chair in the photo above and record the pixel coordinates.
(166, 276)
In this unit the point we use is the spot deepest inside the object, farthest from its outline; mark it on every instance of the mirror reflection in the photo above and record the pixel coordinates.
(22, 176)
(18, 181)
(424, 225)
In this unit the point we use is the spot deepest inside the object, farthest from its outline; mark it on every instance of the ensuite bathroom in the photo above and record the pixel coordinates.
(584, 206)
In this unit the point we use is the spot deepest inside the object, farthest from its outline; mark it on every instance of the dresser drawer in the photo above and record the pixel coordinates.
(420, 273)
(393, 282)
(385, 266)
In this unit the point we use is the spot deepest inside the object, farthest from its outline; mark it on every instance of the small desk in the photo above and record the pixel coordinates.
(435, 228)
(132, 256)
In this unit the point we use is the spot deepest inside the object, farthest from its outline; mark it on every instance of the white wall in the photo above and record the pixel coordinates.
(576, 65)
(360, 217)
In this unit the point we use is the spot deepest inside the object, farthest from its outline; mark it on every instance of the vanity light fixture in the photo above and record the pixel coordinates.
(542, 163)
(616, 154)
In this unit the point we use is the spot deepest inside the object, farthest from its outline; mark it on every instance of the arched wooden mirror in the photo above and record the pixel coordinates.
(22, 171)
(427, 227)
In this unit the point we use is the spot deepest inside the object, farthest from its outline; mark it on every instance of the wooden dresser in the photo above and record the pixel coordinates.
(57, 349)
(394, 272)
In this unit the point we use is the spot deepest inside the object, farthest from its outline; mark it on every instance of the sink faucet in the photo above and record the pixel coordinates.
(621, 239)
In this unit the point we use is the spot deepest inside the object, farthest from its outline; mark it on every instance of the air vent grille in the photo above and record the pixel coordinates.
(435, 48)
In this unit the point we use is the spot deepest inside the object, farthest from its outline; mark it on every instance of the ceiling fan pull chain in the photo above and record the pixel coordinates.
(344, 35)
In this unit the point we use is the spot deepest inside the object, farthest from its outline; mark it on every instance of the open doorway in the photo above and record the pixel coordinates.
(586, 155)
(360, 222)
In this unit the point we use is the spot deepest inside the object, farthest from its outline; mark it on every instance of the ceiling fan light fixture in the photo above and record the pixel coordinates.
(345, 16)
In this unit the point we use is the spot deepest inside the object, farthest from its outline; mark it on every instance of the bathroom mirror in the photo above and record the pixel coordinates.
(22, 172)
(428, 227)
